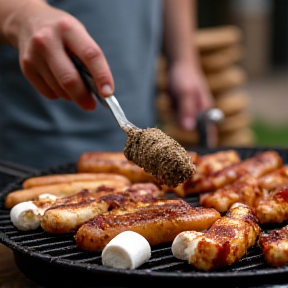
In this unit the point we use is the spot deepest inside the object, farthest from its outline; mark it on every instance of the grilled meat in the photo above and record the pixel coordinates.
(274, 180)
(224, 243)
(245, 190)
(256, 166)
(112, 162)
(69, 213)
(62, 189)
(274, 208)
(71, 177)
(275, 247)
(158, 222)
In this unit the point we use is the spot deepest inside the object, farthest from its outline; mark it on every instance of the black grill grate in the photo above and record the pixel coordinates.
(39, 254)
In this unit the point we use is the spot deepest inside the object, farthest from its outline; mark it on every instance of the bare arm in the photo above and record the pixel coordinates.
(187, 83)
(43, 34)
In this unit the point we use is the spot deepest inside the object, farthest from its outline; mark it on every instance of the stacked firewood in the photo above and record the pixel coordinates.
(220, 51)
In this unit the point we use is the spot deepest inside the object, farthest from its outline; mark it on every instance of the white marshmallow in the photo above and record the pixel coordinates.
(47, 197)
(183, 242)
(128, 250)
(24, 216)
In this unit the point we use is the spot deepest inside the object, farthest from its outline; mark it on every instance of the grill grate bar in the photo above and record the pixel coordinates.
(45, 245)
(161, 251)
(90, 259)
(57, 250)
(21, 238)
(15, 232)
(79, 254)
(163, 258)
(166, 266)
(40, 235)
(256, 257)
(5, 222)
(12, 172)
(250, 266)
(7, 227)
(32, 241)
(14, 168)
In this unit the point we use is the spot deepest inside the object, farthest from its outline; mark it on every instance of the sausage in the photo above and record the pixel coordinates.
(63, 178)
(68, 213)
(112, 162)
(60, 190)
(258, 165)
(158, 222)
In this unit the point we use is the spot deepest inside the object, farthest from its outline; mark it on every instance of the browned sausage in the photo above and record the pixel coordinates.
(60, 190)
(158, 223)
(72, 177)
(112, 162)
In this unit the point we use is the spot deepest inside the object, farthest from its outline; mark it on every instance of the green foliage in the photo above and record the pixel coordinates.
(269, 135)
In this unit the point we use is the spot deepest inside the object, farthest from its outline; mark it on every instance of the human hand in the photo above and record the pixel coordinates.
(189, 91)
(43, 35)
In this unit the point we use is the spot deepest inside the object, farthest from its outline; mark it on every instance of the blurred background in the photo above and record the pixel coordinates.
(243, 48)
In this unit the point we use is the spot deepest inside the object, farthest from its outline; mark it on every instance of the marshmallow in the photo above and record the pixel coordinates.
(128, 250)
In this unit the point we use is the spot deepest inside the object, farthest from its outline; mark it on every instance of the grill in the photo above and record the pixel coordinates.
(55, 260)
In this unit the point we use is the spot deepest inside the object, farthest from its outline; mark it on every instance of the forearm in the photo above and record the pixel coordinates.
(186, 82)
(179, 30)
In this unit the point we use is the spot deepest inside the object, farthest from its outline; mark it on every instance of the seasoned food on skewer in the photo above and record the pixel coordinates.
(159, 155)
(206, 165)
(223, 244)
(159, 222)
(275, 247)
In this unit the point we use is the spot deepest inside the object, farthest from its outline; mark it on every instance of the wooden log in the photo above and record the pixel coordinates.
(225, 80)
(232, 102)
(212, 38)
(240, 137)
(221, 58)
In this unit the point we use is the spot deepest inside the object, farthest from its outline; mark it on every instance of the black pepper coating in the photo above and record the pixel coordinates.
(159, 155)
